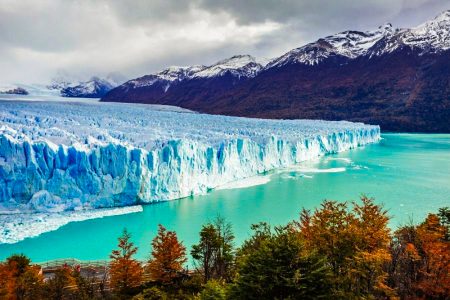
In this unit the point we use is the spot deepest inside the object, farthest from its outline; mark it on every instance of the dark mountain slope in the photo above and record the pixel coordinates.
(401, 91)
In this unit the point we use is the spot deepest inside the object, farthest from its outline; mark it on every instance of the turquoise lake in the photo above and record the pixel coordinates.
(408, 173)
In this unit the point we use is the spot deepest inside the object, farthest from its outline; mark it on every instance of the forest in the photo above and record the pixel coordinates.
(340, 250)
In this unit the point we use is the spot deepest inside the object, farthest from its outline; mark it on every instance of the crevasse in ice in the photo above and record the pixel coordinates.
(69, 156)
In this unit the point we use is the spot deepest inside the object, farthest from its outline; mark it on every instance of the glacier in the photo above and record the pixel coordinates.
(73, 156)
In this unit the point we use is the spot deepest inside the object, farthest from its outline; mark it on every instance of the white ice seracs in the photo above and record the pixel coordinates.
(71, 156)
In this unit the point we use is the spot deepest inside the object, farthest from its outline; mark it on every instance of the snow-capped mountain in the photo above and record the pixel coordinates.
(180, 82)
(95, 87)
(166, 77)
(244, 66)
(398, 78)
(239, 66)
(430, 37)
(347, 44)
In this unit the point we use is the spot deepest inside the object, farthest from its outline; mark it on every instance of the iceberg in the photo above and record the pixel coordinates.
(72, 156)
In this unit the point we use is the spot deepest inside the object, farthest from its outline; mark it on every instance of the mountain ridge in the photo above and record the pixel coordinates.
(391, 77)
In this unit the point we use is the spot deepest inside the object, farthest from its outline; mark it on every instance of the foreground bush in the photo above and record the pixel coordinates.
(213, 290)
(152, 293)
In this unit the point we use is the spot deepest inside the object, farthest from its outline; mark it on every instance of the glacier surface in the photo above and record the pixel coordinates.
(71, 156)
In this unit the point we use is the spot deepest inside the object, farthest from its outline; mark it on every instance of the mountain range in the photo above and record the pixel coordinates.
(396, 78)
(65, 86)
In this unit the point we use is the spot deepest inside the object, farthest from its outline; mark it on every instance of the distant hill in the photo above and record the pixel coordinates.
(14, 91)
(397, 78)
(95, 87)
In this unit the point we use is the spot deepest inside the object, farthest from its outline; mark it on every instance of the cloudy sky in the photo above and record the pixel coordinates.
(42, 38)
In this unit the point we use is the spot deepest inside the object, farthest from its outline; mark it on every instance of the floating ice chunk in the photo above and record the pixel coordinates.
(16, 227)
(245, 183)
(313, 170)
(43, 201)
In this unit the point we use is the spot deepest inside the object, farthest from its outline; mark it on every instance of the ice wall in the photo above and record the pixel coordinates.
(57, 157)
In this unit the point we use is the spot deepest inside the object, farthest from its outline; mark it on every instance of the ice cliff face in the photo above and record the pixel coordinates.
(63, 156)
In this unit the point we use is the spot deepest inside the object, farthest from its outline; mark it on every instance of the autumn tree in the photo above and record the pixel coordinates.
(421, 260)
(168, 256)
(125, 271)
(435, 269)
(7, 284)
(19, 279)
(368, 275)
(355, 243)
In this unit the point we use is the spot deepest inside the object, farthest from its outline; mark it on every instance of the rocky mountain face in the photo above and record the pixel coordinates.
(397, 78)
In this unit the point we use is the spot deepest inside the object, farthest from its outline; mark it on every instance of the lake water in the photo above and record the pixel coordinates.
(408, 173)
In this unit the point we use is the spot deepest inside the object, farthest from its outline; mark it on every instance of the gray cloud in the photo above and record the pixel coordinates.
(81, 37)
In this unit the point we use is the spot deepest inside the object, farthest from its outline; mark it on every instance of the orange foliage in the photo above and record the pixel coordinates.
(355, 243)
(435, 270)
(125, 272)
(168, 256)
(19, 279)
(7, 282)
(421, 264)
